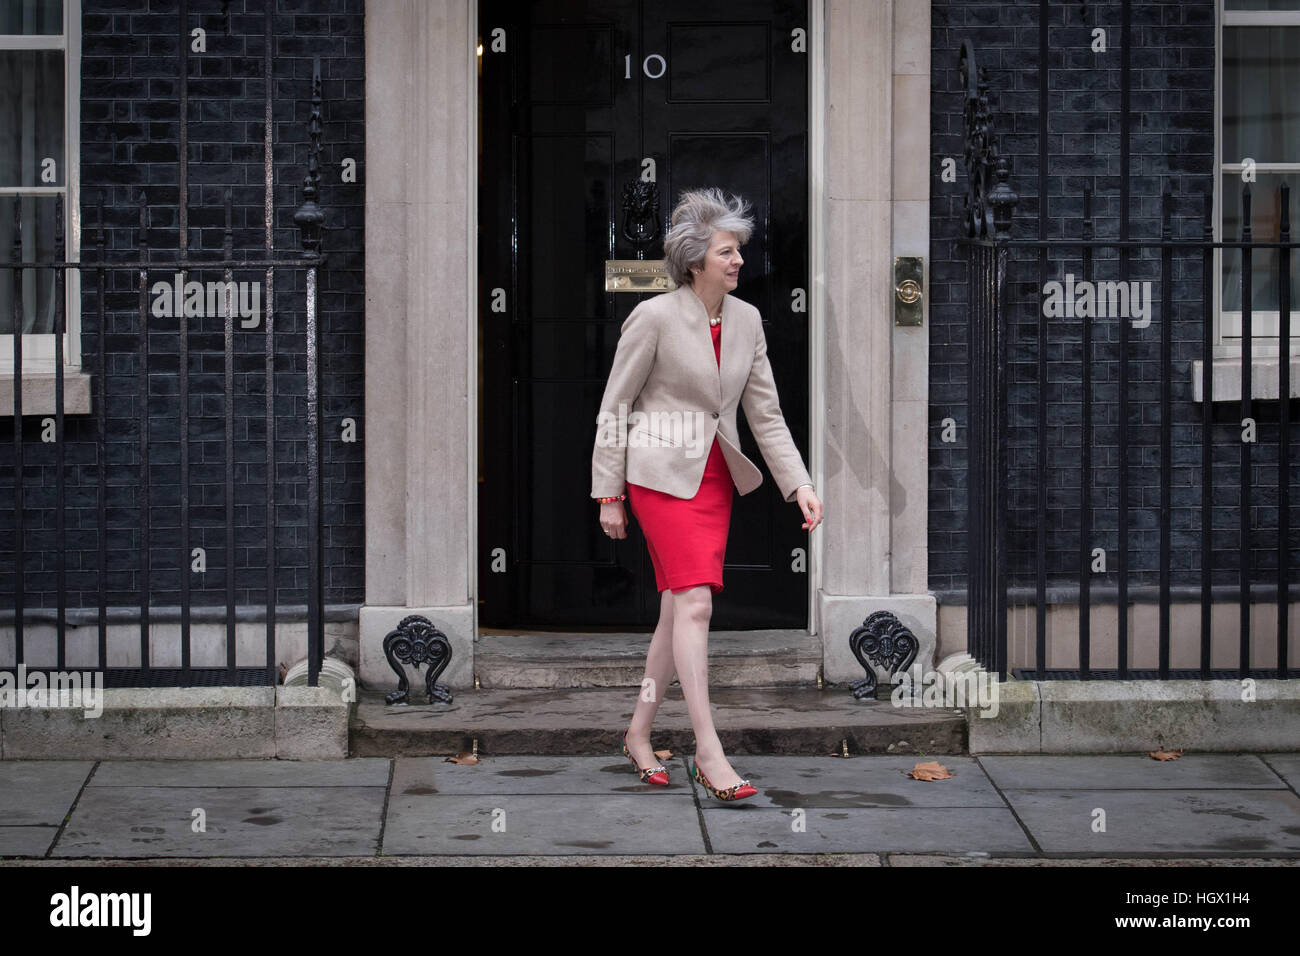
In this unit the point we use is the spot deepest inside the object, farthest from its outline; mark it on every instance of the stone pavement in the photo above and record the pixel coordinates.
(1044, 809)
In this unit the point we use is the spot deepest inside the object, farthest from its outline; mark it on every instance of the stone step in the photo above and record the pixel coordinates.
(504, 659)
(591, 720)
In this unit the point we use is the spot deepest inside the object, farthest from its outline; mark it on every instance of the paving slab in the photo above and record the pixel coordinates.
(26, 841)
(362, 772)
(240, 821)
(1287, 766)
(1161, 821)
(39, 791)
(1129, 772)
(690, 860)
(742, 829)
(835, 782)
(904, 859)
(544, 824)
(570, 807)
(519, 775)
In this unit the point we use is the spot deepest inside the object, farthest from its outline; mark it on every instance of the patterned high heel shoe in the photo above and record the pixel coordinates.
(739, 792)
(658, 774)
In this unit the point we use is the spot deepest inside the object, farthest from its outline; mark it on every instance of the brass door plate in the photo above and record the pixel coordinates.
(637, 275)
(909, 290)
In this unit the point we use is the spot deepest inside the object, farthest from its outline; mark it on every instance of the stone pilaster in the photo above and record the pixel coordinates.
(418, 215)
(874, 475)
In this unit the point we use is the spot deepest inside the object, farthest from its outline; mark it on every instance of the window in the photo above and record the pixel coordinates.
(40, 52)
(1258, 119)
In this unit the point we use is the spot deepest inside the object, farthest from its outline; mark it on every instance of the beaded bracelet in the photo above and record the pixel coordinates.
(615, 498)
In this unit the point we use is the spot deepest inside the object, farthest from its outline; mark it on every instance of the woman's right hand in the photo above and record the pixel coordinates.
(613, 520)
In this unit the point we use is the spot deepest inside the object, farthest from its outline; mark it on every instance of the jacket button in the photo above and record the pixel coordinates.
(715, 414)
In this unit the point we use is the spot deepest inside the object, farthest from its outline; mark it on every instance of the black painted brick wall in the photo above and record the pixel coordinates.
(129, 144)
(1171, 146)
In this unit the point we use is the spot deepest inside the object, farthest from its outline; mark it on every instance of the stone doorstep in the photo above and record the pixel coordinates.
(1049, 717)
(565, 659)
(1109, 716)
(184, 723)
(750, 720)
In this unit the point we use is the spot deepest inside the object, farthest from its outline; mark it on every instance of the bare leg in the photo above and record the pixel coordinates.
(659, 671)
(692, 610)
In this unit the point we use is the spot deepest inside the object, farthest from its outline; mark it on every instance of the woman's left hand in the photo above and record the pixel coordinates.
(812, 507)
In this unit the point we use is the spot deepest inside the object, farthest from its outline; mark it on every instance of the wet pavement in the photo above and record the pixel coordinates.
(534, 808)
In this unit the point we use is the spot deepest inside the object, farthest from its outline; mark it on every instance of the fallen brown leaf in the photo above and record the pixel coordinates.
(1163, 754)
(663, 755)
(464, 757)
(929, 770)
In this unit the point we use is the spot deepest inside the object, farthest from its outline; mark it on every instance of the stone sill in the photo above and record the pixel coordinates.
(184, 723)
(1112, 717)
(38, 393)
(1227, 379)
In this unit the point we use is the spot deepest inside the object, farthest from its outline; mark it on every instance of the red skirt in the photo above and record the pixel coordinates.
(687, 537)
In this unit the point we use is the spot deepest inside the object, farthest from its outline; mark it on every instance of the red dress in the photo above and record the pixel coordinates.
(687, 537)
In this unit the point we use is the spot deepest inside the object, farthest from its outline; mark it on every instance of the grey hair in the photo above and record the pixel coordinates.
(699, 214)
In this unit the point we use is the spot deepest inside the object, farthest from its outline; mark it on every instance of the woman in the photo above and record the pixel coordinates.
(668, 396)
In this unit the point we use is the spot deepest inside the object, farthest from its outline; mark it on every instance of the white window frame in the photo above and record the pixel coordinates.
(1227, 325)
(38, 349)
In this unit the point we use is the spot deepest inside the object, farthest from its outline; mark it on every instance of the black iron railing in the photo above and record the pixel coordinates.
(1000, 522)
(293, 272)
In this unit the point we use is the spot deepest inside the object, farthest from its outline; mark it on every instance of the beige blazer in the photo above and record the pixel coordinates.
(667, 398)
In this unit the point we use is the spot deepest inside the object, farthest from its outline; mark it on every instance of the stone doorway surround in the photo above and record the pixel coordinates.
(870, 140)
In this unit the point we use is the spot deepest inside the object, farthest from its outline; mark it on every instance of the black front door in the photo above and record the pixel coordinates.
(577, 99)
